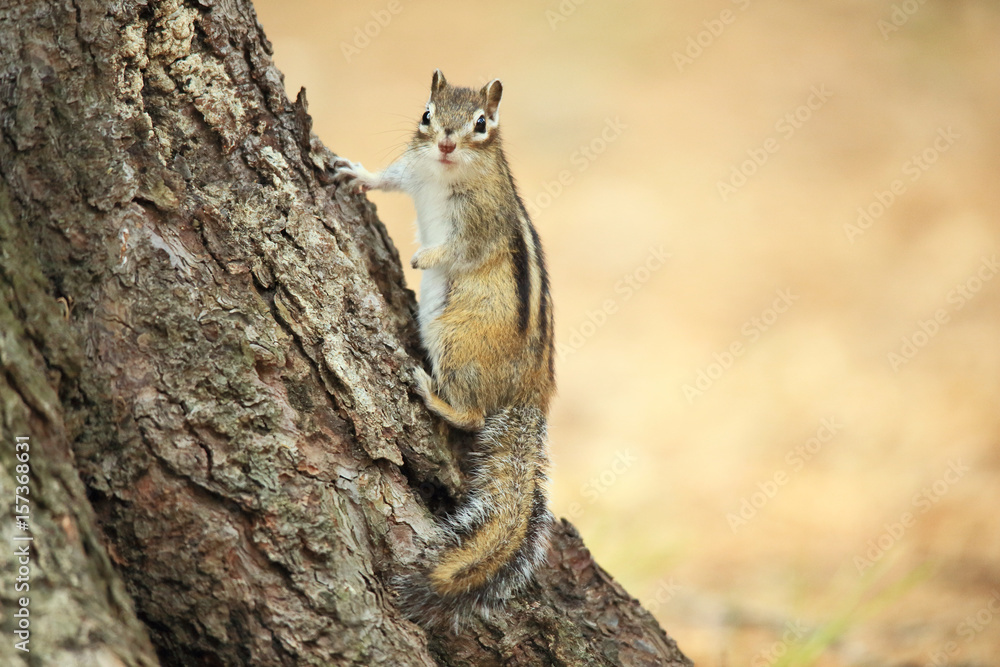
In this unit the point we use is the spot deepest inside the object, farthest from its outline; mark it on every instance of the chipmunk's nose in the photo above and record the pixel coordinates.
(446, 145)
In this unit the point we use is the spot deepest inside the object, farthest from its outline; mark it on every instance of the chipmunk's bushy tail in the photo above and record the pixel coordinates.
(490, 548)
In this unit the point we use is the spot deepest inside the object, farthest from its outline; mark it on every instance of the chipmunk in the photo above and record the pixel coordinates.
(486, 323)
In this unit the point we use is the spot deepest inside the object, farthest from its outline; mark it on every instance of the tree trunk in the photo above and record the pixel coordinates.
(220, 345)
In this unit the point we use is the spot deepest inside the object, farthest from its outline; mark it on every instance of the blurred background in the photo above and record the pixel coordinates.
(772, 230)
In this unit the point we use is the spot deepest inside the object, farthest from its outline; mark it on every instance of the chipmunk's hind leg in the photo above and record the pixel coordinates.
(467, 420)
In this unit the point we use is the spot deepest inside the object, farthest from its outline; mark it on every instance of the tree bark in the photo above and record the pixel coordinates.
(198, 326)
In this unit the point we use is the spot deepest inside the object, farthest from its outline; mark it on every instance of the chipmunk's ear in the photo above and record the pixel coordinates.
(493, 90)
(438, 82)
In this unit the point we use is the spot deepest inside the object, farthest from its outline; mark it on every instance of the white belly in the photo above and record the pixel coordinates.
(434, 227)
(433, 293)
(434, 215)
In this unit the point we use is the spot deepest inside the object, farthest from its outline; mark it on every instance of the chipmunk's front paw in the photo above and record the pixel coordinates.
(427, 258)
(424, 383)
(352, 175)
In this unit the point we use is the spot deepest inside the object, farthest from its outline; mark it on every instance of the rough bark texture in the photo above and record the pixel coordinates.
(198, 326)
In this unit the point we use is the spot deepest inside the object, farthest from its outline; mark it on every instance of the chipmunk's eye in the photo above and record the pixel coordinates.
(481, 124)
(426, 118)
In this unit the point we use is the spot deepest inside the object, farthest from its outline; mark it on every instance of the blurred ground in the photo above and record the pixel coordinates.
(778, 415)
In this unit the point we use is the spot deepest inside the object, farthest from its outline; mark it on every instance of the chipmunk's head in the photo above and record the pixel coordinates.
(460, 128)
